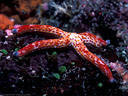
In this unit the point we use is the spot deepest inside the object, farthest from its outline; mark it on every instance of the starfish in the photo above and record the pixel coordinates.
(65, 39)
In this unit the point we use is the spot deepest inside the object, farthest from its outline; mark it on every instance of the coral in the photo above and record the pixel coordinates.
(5, 22)
(30, 20)
(27, 6)
(120, 70)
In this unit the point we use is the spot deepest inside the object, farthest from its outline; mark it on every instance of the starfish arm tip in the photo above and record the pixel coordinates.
(14, 31)
(16, 53)
(112, 80)
(108, 42)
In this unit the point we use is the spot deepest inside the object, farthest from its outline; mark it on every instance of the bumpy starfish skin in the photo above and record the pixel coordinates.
(66, 39)
(90, 38)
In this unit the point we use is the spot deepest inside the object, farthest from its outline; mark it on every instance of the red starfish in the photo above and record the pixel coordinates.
(66, 39)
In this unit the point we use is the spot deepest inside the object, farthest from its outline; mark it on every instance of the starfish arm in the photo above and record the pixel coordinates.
(41, 28)
(83, 51)
(93, 39)
(51, 43)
